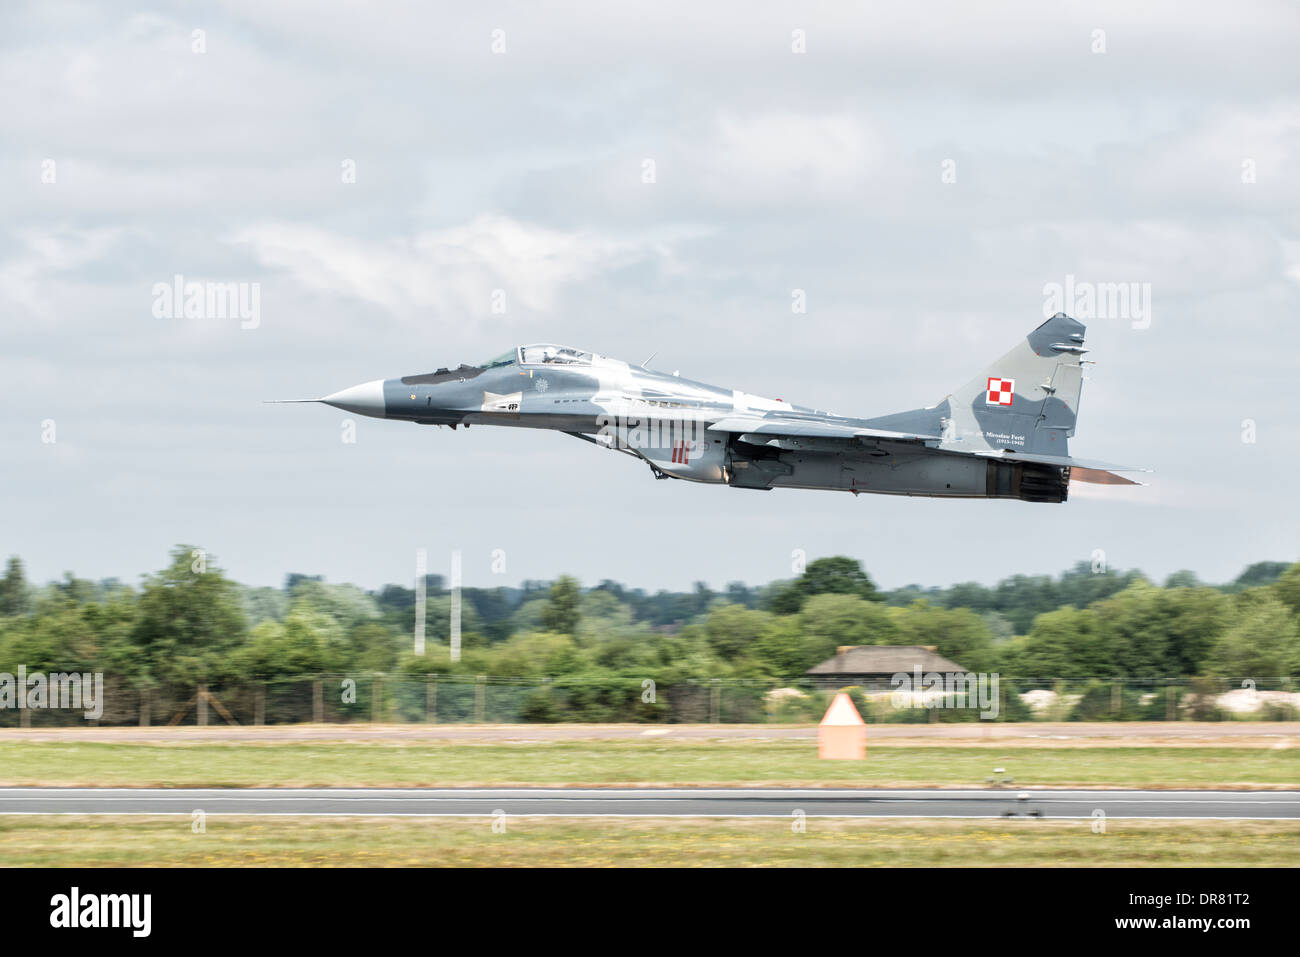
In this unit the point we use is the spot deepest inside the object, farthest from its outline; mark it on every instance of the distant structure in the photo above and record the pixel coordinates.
(871, 667)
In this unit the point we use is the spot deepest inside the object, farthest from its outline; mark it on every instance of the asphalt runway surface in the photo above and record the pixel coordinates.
(658, 802)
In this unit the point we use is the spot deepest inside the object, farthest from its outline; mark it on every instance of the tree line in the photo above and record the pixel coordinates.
(190, 624)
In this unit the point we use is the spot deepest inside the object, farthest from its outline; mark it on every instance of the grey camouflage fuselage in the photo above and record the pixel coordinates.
(1002, 435)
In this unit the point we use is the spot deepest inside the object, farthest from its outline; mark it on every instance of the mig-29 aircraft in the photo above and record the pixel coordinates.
(1001, 435)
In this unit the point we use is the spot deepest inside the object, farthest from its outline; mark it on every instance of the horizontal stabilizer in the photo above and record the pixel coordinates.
(1081, 470)
(1099, 477)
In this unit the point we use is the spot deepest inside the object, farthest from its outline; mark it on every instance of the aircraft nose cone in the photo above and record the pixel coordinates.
(364, 399)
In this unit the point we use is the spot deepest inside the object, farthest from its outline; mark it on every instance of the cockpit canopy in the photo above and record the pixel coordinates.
(549, 354)
(502, 360)
(542, 354)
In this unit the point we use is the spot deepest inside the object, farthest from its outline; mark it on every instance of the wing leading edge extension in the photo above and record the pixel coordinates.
(776, 426)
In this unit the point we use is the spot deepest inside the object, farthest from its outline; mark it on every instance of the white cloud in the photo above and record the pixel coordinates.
(790, 156)
(25, 278)
(522, 172)
(450, 273)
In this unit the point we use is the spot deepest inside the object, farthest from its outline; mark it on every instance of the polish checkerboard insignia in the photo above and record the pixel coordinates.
(1001, 391)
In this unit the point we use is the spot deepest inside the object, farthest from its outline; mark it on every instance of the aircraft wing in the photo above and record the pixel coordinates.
(776, 426)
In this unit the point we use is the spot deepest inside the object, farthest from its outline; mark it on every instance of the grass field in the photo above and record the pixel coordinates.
(44, 841)
(630, 762)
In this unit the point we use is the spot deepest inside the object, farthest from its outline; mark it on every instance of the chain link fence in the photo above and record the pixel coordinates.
(436, 699)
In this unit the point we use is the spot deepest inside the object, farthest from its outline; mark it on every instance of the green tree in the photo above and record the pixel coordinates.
(189, 620)
(1137, 632)
(1260, 573)
(1081, 585)
(1287, 588)
(372, 647)
(838, 575)
(601, 604)
(785, 650)
(307, 642)
(848, 620)
(733, 629)
(1192, 618)
(1182, 579)
(79, 590)
(1022, 598)
(563, 606)
(970, 595)
(1066, 643)
(536, 654)
(346, 604)
(112, 622)
(959, 634)
(59, 639)
(14, 596)
(263, 603)
(1264, 643)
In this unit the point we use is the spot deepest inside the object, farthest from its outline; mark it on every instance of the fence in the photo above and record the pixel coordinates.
(401, 698)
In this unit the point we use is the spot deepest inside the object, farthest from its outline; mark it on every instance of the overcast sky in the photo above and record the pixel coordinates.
(1163, 151)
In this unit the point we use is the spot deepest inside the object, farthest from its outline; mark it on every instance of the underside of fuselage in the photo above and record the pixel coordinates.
(878, 469)
(718, 458)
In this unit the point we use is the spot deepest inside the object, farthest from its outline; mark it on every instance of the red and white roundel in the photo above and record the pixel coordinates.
(1001, 391)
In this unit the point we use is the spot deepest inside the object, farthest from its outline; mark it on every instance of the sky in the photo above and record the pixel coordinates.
(408, 186)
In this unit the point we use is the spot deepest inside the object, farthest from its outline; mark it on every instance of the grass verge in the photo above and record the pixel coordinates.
(234, 841)
(652, 762)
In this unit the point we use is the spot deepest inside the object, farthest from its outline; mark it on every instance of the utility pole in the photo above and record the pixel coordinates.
(421, 562)
(455, 605)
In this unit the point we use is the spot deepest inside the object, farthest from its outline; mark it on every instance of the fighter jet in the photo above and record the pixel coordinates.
(1003, 434)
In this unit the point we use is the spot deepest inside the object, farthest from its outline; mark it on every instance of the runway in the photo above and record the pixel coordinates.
(658, 802)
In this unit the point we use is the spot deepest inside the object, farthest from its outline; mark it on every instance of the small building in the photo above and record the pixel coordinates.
(871, 667)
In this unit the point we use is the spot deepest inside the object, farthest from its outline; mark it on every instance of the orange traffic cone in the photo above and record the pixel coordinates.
(842, 733)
